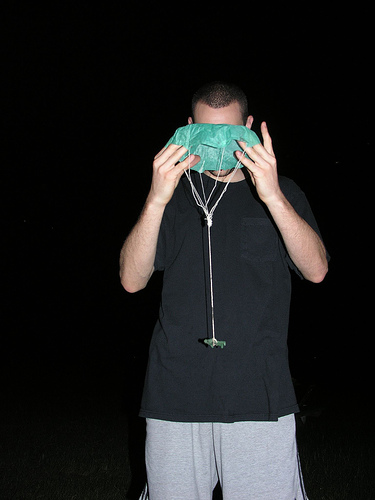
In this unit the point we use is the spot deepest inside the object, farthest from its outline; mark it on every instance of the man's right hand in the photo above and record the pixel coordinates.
(139, 250)
(167, 172)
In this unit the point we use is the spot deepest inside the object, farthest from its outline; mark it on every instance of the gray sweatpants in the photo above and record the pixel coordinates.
(252, 460)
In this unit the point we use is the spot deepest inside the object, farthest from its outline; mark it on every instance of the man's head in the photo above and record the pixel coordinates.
(220, 102)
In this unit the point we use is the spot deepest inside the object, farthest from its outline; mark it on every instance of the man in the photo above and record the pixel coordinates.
(222, 414)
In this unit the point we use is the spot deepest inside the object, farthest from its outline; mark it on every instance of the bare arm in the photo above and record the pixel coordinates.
(304, 246)
(138, 252)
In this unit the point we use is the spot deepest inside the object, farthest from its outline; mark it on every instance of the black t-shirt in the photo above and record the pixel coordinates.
(249, 379)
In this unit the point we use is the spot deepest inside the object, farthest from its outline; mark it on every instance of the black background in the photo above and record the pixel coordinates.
(91, 92)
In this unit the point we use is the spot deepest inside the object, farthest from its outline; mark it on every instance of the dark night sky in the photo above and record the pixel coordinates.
(92, 92)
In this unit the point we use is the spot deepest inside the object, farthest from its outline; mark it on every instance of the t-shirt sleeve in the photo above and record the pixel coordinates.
(160, 256)
(165, 239)
(299, 202)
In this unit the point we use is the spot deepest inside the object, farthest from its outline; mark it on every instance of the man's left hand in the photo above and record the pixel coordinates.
(262, 166)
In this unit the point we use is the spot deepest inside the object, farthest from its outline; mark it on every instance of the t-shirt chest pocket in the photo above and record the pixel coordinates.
(259, 239)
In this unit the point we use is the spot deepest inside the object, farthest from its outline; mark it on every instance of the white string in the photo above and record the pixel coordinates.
(198, 199)
(209, 218)
(209, 224)
(216, 180)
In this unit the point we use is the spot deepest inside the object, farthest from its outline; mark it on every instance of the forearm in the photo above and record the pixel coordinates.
(138, 252)
(303, 245)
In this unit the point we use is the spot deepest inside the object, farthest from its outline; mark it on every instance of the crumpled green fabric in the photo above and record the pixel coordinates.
(215, 144)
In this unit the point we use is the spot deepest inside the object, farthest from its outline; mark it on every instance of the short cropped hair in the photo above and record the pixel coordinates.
(219, 95)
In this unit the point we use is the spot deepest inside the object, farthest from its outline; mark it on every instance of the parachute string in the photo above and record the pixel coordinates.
(213, 342)
(216, 181)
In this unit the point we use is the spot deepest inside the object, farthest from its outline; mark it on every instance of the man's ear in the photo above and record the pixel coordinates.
(190, 120)
(249, 121)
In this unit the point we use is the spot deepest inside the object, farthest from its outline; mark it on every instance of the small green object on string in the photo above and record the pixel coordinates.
(215, 343)
(214, 143)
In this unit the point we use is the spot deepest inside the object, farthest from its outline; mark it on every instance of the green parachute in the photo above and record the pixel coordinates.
(215, 144)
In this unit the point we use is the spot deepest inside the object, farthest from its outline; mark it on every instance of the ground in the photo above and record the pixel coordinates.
(74, 434)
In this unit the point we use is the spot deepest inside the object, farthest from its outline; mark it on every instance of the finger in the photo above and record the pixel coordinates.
(170, 149)
(244, 146)
(267, 141)
(251, 151)
(189, 162)
(158, 154)
(170, 156)
(258, 153)
(249, 163)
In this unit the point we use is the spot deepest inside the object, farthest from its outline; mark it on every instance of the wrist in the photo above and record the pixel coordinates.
(154, 203)
(276, 201)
